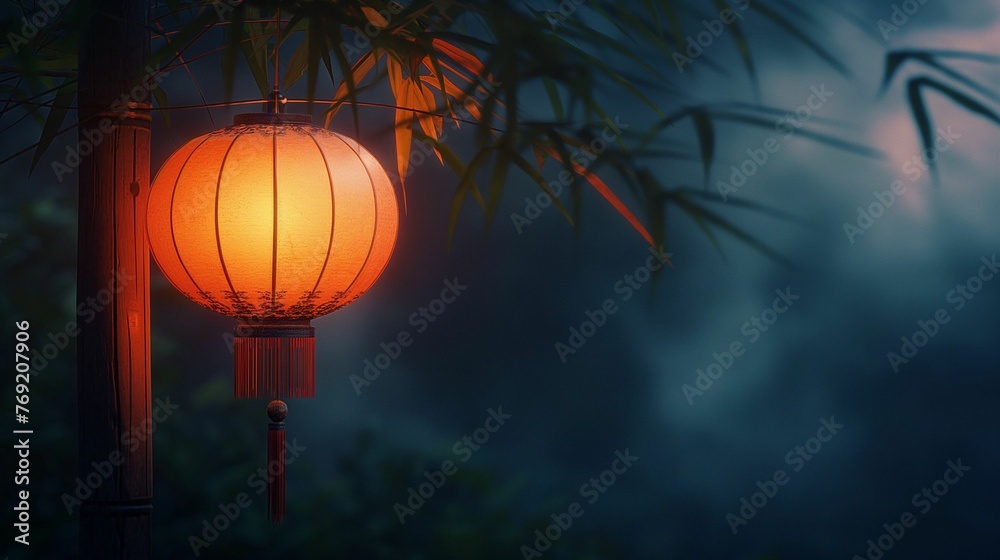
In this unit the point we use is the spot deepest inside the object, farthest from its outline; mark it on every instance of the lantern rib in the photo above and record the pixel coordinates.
(395, 238)
(173, 236)
(371, 244)
(218, 236)
(333, 211)
(274, 231)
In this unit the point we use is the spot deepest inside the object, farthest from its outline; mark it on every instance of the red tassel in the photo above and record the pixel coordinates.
(276, 411)
(274, 360)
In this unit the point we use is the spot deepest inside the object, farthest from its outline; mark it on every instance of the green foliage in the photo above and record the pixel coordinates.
(479, 62)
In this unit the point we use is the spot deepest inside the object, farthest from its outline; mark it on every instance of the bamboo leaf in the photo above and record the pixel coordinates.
(316, 41)
(554, 98)
(536, 176)
(255, 53)
(958, 97)
(706, 140)
(795, 31)
(234, 34)
(374, 17)
(57, 115)
(420, 97)
(923, 118)
(468, 102)
(466, 183)
(500, 168)
(296, 67)
(893, 62)
(820, 137)
(704, 217)
(403, 119)
(540, 155)
(348, 87)
(460, 57)
(601, 187)
(739, 38)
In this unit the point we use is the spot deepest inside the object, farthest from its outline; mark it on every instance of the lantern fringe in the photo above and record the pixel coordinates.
(276, 462)
(274, 367)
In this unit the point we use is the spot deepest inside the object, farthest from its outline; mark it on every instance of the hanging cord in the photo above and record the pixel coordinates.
(276, 94)
(277, 45)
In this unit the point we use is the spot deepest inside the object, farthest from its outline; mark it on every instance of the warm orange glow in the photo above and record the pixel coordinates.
(286, 221)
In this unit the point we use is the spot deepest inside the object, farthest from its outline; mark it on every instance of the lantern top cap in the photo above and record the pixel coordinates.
(272, 118)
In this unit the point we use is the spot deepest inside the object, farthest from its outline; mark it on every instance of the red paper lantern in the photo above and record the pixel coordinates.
(272, 221)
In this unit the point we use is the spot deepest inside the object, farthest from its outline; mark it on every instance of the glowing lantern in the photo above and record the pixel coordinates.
(272, 221)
